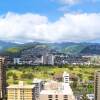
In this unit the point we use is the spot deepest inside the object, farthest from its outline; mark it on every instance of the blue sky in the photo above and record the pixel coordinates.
(56, 20)
(49, 8)
(42, 7)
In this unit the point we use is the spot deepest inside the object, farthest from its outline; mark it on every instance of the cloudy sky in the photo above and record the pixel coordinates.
(50, 20)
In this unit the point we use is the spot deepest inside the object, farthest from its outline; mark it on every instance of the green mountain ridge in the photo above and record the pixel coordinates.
(74, 49)
(8, 48)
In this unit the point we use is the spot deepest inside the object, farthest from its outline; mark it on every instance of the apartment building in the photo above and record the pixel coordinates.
(97, 86)
(54, 90)
(20, 92)
(2, 79)
(38, 87)
(17, 61)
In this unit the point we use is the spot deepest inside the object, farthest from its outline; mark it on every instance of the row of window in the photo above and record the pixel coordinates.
(56, 96)
(57, 99)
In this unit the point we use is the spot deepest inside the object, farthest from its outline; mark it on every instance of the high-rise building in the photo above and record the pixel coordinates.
(50, 59)
(20, 92)
(97, 85)
(66, 78)
(2, 79)
(17, 61)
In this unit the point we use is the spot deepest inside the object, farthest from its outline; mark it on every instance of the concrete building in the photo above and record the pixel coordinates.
(97, 85)
(38, 61)
(90, 96)
(38, 87)
(20, 92)
(2, 79)
(66, 78)
(17, 61)
(50, 59)
(57, 90)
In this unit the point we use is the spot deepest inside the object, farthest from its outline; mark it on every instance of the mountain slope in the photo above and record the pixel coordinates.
(4, 45)
(75, 49)
(91, 49)
(8, 48)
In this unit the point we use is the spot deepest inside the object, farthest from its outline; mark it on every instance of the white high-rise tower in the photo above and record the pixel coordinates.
(66, 77)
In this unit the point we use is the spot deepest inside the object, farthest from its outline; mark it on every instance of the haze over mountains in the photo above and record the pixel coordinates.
(64, 47)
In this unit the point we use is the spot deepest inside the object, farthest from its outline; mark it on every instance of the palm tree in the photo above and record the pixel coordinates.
(84, 96)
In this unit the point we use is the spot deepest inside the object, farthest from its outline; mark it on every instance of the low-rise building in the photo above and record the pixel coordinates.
(90, 96)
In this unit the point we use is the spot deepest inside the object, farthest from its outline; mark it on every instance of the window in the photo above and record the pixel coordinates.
(65, 96)
(56, 96)
(49, 96)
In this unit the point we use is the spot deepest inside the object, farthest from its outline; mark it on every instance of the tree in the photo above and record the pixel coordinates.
(14, 76)
(84, 96)
(27, 76)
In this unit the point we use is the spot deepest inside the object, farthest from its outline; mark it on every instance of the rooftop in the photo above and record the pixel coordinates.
(37, 80)
(60, 90)
(53, 87)
(21, 85)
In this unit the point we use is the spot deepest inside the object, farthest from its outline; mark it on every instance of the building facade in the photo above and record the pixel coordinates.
(38, 87)
(17, 61)
(20, 92)
(54, 90)
(97, 86)
(2, 79)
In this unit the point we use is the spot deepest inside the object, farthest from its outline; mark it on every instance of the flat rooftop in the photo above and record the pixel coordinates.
(18, 87)
(21, 85)
(57, 88)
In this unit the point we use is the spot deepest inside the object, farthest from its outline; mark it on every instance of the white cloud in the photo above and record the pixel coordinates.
(67, 2)
(70, 27)
(73, 2)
